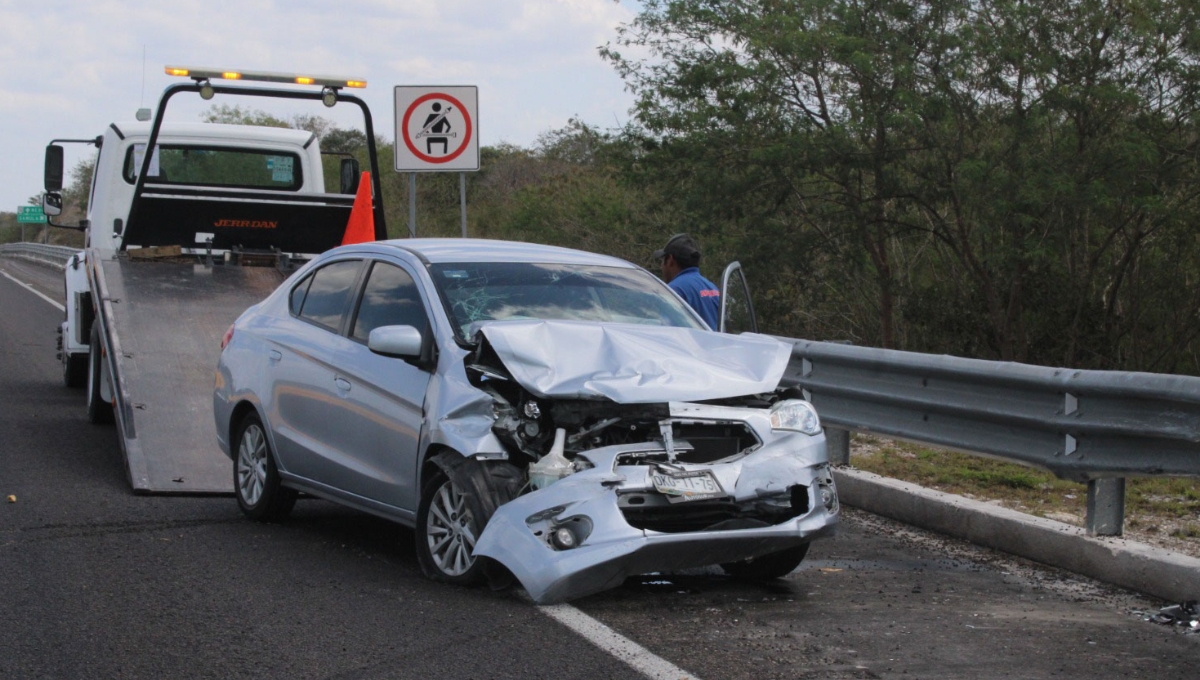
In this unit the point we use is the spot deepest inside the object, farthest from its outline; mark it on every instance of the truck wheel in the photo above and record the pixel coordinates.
(446, 533)
(260, 493)
(768, 567)
(99, 411)
(75, 369)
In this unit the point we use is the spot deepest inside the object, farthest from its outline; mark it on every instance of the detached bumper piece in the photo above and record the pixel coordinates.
(590, 531)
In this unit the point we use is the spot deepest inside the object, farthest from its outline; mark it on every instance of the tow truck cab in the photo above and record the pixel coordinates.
(205, 155)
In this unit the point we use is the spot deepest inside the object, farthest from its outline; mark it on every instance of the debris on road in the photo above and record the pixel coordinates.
(12, 498)
(1186, 614)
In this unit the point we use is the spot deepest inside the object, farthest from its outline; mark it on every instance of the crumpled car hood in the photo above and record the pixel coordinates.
(634, 364)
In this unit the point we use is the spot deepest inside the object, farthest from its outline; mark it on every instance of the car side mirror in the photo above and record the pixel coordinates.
(52, 204)
(350, 175)
(54, 168)
(396, 341)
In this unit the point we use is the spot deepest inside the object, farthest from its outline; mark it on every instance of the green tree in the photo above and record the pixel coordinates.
(995, 178)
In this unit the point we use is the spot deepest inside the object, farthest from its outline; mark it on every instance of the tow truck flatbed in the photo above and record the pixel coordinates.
(164, 350)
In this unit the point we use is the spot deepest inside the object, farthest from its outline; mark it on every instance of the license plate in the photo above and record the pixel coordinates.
(681, 487)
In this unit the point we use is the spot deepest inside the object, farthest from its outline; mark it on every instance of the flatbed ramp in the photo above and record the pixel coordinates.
(162, 324)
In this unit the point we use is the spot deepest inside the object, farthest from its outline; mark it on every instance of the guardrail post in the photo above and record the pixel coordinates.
(1106, 506)
(837, 443)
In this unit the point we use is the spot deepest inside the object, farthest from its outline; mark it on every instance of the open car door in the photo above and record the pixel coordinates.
(737, 309)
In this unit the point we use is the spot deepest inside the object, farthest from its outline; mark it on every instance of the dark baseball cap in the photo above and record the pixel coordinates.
(681, 246)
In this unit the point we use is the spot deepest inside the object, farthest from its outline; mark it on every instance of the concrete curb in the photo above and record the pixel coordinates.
(1137, 566)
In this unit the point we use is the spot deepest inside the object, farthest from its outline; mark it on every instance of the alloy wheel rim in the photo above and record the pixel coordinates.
(252, 465)
(448, 531)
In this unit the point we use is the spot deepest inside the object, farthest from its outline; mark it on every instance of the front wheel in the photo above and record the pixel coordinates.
(446, 533)
(260, 492)
(768, 567)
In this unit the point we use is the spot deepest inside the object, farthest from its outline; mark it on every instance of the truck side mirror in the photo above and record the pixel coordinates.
(350, 175)
(52, 203)
(54, 168)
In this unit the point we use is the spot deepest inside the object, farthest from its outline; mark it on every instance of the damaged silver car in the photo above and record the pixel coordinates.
(532, 412)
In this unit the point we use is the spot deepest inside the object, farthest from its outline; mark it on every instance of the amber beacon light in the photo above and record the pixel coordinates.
(202, 74)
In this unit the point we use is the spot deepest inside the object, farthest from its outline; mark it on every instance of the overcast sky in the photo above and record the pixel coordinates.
(69, 68)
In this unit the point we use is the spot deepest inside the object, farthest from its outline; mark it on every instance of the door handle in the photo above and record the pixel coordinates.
(342, 384)
(274, 355)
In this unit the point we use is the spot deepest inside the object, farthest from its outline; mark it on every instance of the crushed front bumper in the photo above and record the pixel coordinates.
(789, 477)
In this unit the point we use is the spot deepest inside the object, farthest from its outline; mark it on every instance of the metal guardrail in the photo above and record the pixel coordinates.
(1097, 427)
(39, 252)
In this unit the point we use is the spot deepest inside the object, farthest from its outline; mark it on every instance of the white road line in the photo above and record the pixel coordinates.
(33, 290)
(638, 657)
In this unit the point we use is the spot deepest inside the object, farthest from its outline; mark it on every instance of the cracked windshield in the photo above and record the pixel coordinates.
(497, 291)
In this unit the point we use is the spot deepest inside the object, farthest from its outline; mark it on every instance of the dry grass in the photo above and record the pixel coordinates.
(1159, 511)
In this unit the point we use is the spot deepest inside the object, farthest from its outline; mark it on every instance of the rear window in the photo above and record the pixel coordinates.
(217, 167)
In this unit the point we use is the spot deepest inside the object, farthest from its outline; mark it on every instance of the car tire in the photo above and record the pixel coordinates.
(768, 567)
(260, 492)
(446, 532)
(99, 411)
(75, 369)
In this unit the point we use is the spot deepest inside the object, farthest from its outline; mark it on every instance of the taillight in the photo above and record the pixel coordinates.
(228, 336)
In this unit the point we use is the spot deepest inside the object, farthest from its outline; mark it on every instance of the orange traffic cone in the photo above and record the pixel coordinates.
(361, 227)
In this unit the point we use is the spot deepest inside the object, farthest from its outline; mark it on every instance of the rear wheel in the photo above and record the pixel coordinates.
(768, 567)
(99, 411)
(260, 493)
(446, 533)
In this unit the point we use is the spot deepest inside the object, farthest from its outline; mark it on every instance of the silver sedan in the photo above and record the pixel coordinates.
(533, 412)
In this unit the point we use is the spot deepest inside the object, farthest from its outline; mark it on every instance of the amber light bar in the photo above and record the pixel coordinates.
(199, 73)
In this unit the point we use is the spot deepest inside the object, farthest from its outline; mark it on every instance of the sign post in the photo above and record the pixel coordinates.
(29, 214)
(437, 130)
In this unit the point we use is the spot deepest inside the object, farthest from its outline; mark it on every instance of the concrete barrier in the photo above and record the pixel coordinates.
(1153, 571)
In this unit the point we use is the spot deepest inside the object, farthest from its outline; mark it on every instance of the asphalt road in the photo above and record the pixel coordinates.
(96, 582)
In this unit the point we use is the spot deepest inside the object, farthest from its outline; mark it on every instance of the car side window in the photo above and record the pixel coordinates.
(390, 298)
(329, 293)
(298, 293)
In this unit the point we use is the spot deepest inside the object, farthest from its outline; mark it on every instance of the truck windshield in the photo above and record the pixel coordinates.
(217, 167)
(486, 291)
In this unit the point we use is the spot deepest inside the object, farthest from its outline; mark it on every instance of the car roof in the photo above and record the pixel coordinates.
(438, 250)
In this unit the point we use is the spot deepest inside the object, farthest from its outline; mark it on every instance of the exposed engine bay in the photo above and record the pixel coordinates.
(527, 425)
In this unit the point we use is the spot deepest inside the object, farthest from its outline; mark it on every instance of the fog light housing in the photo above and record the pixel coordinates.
(827, 497)
(564, 538)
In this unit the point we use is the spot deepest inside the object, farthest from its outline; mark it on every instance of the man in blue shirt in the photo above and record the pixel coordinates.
(680, 260)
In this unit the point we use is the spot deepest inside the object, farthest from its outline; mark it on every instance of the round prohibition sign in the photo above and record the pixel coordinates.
(413, 147)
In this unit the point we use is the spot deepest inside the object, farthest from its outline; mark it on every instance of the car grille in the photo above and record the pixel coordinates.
(652, 512)
(713, 441)
(700, 443)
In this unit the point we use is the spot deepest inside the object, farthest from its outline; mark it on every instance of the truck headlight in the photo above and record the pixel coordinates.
(795, 415)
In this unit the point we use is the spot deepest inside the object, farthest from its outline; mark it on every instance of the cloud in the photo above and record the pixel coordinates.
(70, 68)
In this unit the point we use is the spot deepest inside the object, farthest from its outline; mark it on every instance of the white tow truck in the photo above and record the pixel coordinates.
(179, 241)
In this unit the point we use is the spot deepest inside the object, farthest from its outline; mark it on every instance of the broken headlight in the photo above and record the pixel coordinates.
(795, 415)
